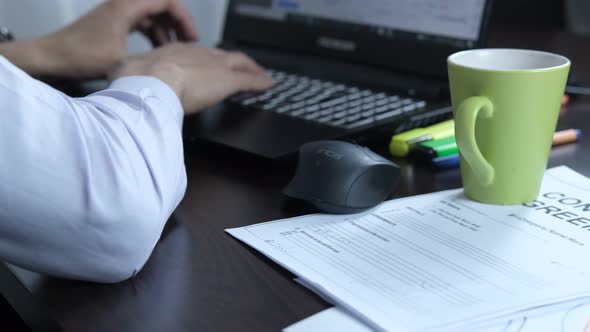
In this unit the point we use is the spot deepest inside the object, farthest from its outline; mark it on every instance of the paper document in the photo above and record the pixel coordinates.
(333, 319)
(574, 319)
(573, 316)
(441, 261)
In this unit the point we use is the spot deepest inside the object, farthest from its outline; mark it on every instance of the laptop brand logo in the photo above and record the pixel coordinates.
(336, 44)
(330, 154)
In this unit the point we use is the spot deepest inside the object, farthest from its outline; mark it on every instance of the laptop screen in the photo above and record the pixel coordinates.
(410, 36)
(456, 23)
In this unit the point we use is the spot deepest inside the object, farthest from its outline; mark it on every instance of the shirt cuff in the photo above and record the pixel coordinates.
(148, 86)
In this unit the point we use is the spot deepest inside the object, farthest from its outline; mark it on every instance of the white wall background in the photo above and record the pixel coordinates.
(30, 18)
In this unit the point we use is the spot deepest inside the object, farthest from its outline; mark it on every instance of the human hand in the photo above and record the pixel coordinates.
(96, 43)
(200, 76)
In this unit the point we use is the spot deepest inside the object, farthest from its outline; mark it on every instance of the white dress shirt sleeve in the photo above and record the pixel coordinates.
(87, 184)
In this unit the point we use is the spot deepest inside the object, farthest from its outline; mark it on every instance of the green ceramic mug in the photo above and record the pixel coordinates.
(505, 104)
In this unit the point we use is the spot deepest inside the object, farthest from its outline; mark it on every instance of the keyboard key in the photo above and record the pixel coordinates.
(355, 103)
(326, 111)
(341, 107)
(297, 105)
(333, 102)
(388, 115)
(395, 105)
(381, 109)
(300, 97)
(360, 123)
(284, 109)
(287, 95)
(353, 118)
(277, 100)
(353, 96)
(409, 108)
(298, 112)
(313, 108)
(266, 99)
(393, 99)
(368, 106)
(311, 116)
(381, 102)
(367, 114)
(340, 115)
(421, 104)
(249, 101)
(354, 110)
(338, 122)
(269, 107)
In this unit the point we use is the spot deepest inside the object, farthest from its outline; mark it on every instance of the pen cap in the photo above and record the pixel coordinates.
(443, 146)
(401, 144)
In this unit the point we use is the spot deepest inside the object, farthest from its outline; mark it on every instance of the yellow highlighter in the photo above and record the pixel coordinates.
(401, 143)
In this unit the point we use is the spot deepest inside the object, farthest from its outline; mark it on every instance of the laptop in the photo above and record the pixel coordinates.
(358, 70)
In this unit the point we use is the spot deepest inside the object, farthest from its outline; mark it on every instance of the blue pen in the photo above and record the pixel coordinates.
(446, 162)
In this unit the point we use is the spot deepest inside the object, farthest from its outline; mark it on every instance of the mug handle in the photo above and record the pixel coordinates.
(465, 118)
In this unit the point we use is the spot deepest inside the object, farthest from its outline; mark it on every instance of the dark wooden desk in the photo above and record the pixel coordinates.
(201, 279)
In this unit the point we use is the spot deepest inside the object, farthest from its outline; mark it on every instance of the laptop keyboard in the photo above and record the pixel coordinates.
(329, 103)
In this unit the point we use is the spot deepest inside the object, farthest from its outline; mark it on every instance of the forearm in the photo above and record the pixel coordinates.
(32, 56)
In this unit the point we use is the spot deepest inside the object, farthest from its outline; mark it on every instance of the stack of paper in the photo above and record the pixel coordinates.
(441, 261)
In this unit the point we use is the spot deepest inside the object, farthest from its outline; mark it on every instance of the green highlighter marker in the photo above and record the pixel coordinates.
(401, 144)
(426, 151)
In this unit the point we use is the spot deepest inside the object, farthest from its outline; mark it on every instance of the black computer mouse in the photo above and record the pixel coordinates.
(342, 177)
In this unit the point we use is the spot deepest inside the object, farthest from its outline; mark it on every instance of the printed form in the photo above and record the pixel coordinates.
(441, 261)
